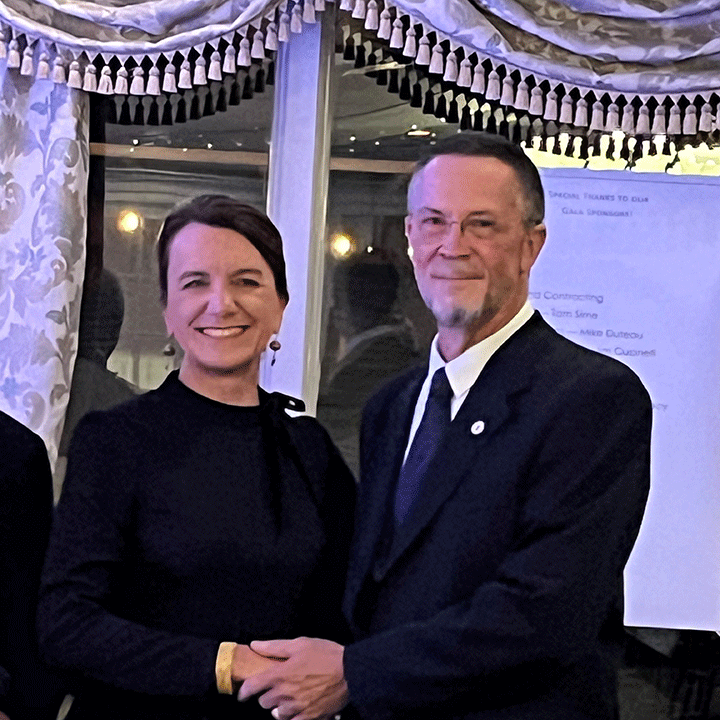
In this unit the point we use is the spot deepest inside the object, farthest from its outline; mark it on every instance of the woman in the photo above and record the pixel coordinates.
(199, 516)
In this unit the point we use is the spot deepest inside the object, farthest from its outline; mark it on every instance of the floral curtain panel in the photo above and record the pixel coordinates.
(43, 194)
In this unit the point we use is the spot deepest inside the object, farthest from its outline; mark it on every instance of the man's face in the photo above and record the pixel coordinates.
(472, 249)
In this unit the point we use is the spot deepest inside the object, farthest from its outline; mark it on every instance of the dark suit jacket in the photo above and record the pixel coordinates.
(26, 688)
(501, 595)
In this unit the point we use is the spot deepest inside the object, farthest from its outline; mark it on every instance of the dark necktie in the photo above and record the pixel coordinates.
(435, 421)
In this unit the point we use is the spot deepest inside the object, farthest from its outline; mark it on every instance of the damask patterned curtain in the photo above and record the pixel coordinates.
(43, 195)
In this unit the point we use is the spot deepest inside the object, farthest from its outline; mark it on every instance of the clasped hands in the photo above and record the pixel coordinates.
(300, 679)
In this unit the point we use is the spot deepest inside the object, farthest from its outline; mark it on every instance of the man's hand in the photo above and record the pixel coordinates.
(245, 663)
(309, 684)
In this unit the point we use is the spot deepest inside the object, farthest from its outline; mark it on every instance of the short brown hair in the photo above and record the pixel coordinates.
(224, 212)
(479, 144)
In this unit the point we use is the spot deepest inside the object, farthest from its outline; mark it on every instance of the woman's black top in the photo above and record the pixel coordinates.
(185, 522)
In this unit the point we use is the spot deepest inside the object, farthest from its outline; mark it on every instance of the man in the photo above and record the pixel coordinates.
(489, 586)
(27, 690)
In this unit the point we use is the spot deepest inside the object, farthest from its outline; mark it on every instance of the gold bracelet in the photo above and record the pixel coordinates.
(223, 668)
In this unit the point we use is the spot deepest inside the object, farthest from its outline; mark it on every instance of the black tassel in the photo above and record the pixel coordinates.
(466, 119)
(637, 152)
(393, 82)
(610, 154)
(270, 78)
(234, 93)
(125, 118)
(491, 125)
(181, 113)
(416, 100)
(167, 113)
(625, 149)
(441, 107)
(405, 93)
(372, 61)
(478, 120)
(585, 147)
(112, 111)
(667, 147)
(557, 149)
(504, 129)
(652, 150)
(570, 147)
(516, 133)
(543, 143)
(360, 60)
(221, 105)
(209, 107)
(260, 81)
(247, 92)
(349, 51)
(382, 77)
(153, 117)
(195, 107)
(453, 115)
(596, 144)
(429, 104)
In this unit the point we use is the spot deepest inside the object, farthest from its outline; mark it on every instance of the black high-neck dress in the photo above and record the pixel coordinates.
(185, 522)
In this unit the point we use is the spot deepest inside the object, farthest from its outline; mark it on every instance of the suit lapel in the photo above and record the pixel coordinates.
(379, 476)
(459, 456)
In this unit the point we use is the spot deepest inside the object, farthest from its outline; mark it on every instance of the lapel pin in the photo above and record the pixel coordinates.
(477, 427)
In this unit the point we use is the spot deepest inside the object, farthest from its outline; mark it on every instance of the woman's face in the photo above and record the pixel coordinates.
(222, 305)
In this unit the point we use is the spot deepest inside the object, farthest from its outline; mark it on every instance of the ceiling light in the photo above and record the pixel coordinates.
(417, 133)
(128, 221)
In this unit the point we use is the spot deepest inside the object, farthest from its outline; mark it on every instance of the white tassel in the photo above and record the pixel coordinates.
(396, 38)
(566, 110)
(612, 121)
(465, 74)
(229, 63)
(58, 73)
(319, 7)
(27, 62)
(493, 86)
(643, 122)
(508, 91)
(478, 83)
(105, 84)
(385, 28)
(551, 108)
(706, 119)
(43, 68)
(200, 76)
(13, 58)
(674, 124)
(185, 80)
(359, 10)
(451, 68)
(169, 81)
(296, 20)
(690, 120)
(347, 5)
(628, 119)
(258, 46)
(90, 83)
(74, 78)
(522, 96)
(659, 126)
(121, 82)
(372, 19)
(309, 12)
(153, 85)
(536, 102)
(597, 121)
(284, 30)
(410, 48)
(3, 44)
(137, 86)
(423, 54)
(243, 59)
(581, 113)
(215, 72)
(437, 61)
(271, 38)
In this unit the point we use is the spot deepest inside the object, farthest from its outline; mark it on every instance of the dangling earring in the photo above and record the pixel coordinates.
(274, 346)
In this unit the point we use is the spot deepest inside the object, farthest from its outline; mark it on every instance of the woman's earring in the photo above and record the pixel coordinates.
(274, 346)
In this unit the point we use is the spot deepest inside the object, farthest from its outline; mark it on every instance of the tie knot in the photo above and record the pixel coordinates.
(440, 390)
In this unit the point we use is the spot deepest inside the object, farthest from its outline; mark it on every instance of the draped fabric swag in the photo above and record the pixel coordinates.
(646, 67)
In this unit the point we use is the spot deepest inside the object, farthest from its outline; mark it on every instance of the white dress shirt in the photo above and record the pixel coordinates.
(465, 369)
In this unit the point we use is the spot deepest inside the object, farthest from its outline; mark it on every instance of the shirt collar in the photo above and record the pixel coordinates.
(464, 370)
